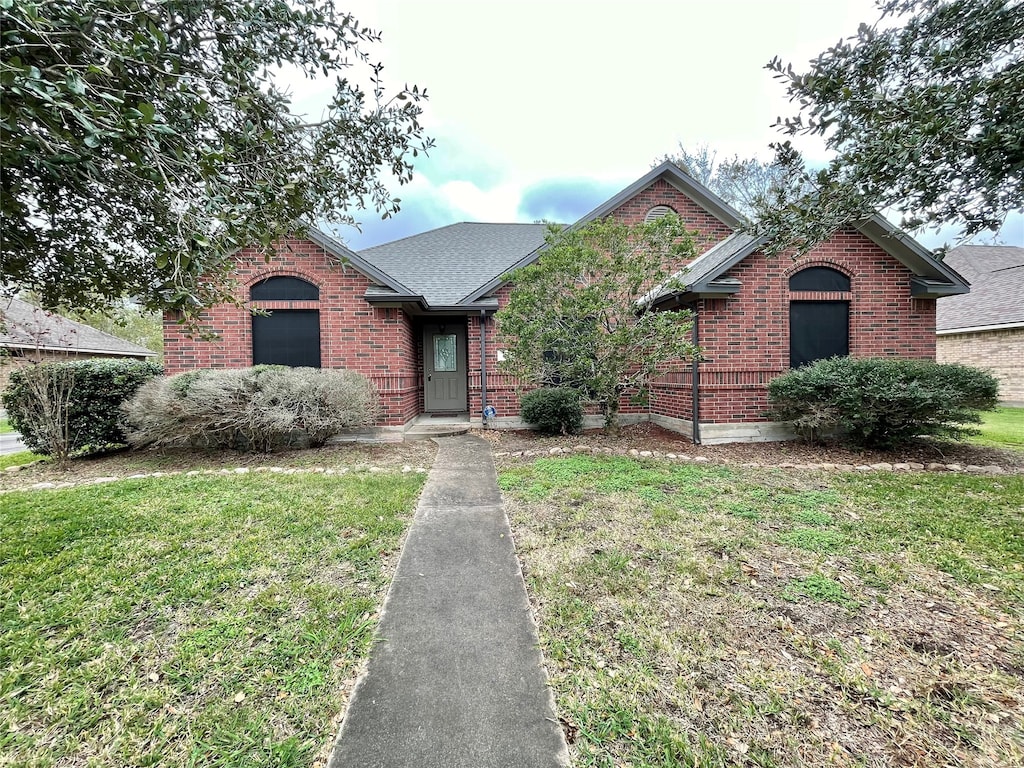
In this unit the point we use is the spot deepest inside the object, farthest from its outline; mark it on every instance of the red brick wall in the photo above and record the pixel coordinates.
(378, 343)
(662, 193)
(746, 337)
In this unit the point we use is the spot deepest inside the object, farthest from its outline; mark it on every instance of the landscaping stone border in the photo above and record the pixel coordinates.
(908, 466)
(195, 472)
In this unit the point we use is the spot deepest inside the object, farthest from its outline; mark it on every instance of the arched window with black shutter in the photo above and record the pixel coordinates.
(819, 279)
(284, 289)
(289, 336)
(818, 329)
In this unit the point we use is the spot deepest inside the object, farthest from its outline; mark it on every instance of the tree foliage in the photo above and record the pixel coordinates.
(925, 112)
(144, 141)
(579, 317)
(744, 183)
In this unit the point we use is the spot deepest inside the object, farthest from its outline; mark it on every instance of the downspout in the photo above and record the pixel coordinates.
(695, 376)
(483, 367)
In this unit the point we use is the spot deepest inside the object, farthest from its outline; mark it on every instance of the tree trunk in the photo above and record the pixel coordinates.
(611, 416)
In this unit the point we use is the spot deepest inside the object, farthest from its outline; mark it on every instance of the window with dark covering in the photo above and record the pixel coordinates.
(819, 279)
(818, 330)
(284, 289)
(287, 337)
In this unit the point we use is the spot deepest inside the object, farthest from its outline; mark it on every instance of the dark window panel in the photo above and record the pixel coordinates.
(284, 289)
(287, 337)
(818, 330)
(819, 279)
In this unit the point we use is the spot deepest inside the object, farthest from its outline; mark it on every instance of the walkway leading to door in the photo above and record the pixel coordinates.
(455, 680)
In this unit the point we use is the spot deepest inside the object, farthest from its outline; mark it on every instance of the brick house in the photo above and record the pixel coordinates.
(985, 328)
(416, 315)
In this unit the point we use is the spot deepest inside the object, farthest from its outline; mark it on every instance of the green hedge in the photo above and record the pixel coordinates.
(92, 392)
(882, 402)
(554, 411)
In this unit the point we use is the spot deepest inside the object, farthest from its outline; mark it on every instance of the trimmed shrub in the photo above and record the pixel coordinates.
(261, 408)
(553, 411)
(65, 408)
(882, 402)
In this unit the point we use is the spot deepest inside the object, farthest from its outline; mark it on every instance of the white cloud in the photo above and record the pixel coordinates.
(531, 93)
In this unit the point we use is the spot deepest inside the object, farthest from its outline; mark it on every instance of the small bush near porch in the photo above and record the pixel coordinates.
(711, 616)
(190, 621)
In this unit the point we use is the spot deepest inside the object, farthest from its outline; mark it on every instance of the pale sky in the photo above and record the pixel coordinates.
(544, 109)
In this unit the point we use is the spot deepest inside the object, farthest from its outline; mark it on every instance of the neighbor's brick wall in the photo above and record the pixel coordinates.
(378, 343)
(1001, 352)
(745, 338)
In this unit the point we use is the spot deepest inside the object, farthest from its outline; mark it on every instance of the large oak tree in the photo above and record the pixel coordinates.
(924, 111)
(144, 141)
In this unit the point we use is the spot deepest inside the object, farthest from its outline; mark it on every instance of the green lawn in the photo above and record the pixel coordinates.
(5, 426)
(1002, 428)
(711, 616)
(189, 621)
(21, 457)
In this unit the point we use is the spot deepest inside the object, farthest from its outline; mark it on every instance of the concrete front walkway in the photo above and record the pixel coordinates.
(455, 680)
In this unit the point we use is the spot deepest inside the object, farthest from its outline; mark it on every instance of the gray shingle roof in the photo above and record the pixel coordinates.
(996, 275)
(446, 265)
(23, 326)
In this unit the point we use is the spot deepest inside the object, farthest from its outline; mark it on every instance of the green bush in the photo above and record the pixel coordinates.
(553, 411)
(64, 408)
(882, 402)
(260, 408)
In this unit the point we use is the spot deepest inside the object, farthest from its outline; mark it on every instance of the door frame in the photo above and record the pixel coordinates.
(460, 327)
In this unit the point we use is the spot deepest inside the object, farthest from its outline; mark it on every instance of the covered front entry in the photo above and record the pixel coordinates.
(445, 386)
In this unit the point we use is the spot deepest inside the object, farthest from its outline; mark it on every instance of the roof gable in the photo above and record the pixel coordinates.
(339, 250)
(705, 275)
(668, 172)
(682, 181)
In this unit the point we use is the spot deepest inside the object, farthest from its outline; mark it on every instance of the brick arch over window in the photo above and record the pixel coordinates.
(819, 320)
(290, 333)
(283, 288)
(820, 278)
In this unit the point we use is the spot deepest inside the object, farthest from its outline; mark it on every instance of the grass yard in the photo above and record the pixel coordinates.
(190, 621)
(21, 457)
(5, 426)
(709, 616)
(1002, 428)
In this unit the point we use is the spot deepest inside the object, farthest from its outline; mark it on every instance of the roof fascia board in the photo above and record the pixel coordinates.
(979, 328)
(905, 249)
(682, 181)
(336, 248)
(673, 175)
(75, 350)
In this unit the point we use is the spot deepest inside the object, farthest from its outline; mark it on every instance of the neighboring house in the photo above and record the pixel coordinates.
(416, 315)
(985, 328)
(29, 334)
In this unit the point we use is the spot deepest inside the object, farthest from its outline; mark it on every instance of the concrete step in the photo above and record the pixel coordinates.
(427, 431)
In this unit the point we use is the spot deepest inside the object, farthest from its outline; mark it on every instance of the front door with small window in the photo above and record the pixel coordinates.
(444, 368)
